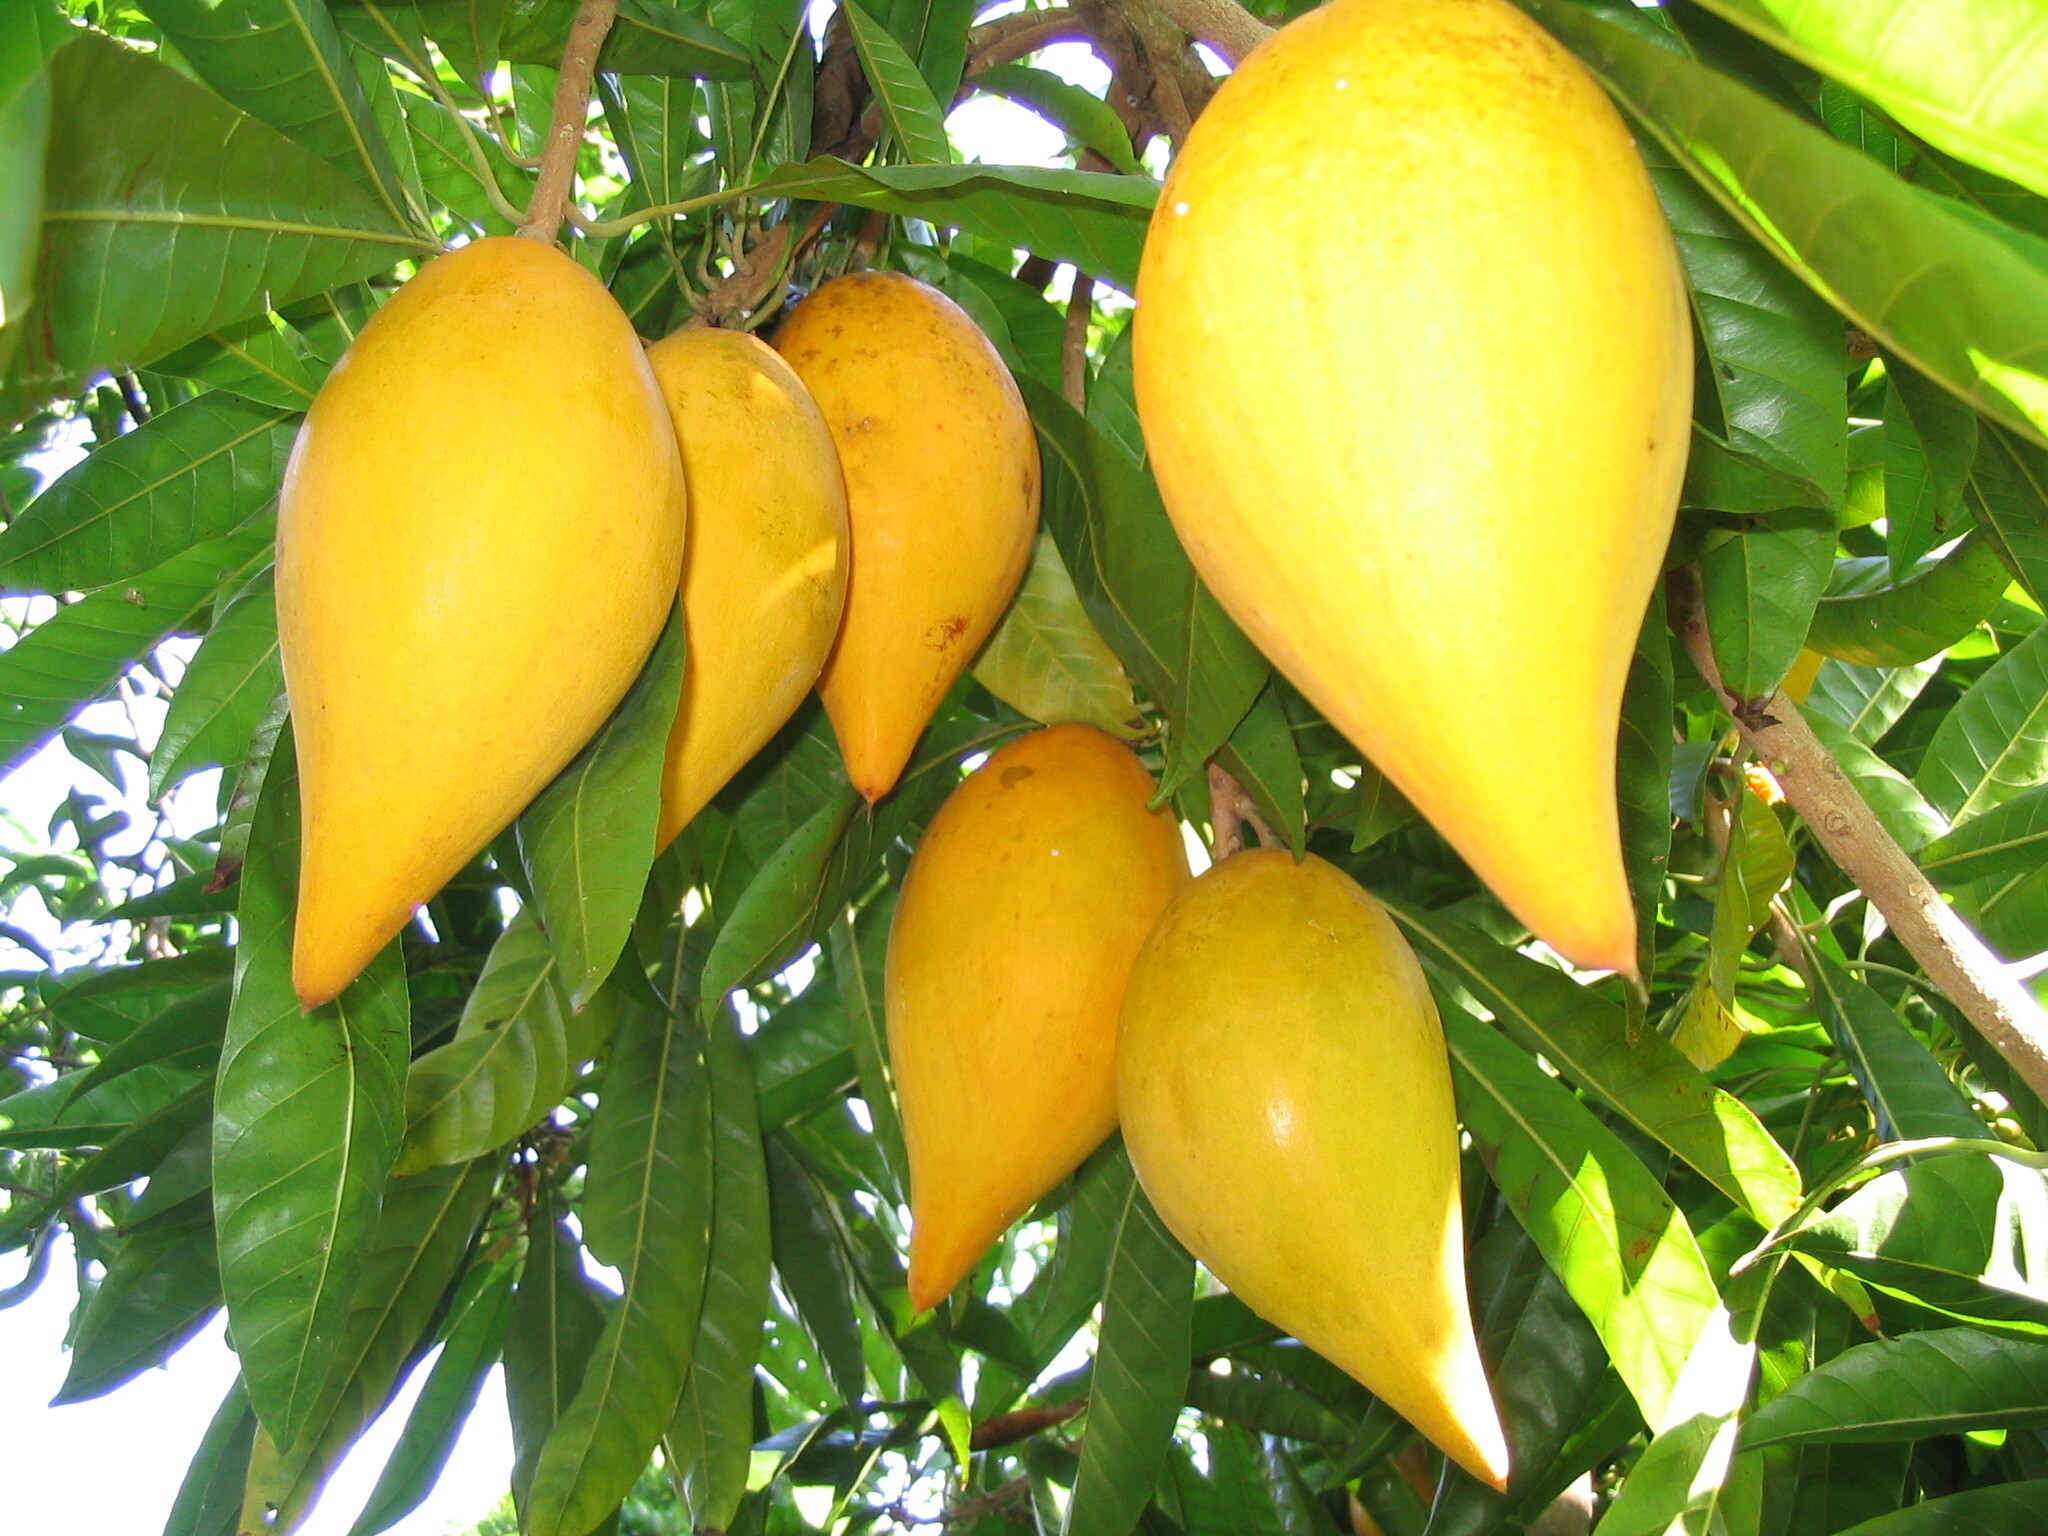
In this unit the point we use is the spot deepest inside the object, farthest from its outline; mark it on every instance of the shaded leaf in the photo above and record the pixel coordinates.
(1761, 587)
(1085, 116)
(160, 1289)
(2007, 1509)
(554, 1323)
(859, 955)
(1930, 439)
(1919, 617)
(209, 1501)
(228, 685)
(1046, 660)
(1943, 1382)
(815, 1275)
(649, 38)
(250, 359)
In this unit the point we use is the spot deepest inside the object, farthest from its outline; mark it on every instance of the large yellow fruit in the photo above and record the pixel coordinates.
(1415, 372)
(764, 578)
(479, 539)
(1286, 1100)
(1024, 906)
(942, 487)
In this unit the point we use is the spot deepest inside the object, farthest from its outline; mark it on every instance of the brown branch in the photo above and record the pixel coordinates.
(1955, 959)
(1008, 1428)
(1227, 27)
(565, 129)
(1009, 38)
(1229, 809)
(1074, 340)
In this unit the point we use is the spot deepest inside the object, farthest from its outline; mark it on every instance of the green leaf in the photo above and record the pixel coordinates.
(1907, 1090)
(209, 1501)
(2005, 1509)
(1761, 588)
(814, 1271)
(283, 62)
(2009, 840)
(859, 954)
(308, 1115)
(1097, 221)
(1930, 440)
(251, 359)
(1944, 1382)
(170, 215)
(1960, 76)
(906, 100)
(1141, 1372)
(1262, 756)
(711, 1437)
(469, 1350)
(1046, 660)
(514, 1054)
(76, 654)
(649, 38)
(159, 1290)
(553, 1327)
(1088, 1228)
(587, 841)
(1901, 808)
(1586, 1038)
(1622, 1249)
(1265, 1404)
(1643, 778)
(646, 1212)
(468, 33)
(1961, 297)
(1919, 617)
(781, 905)
(1085, 116)
(188, 1033)
(1994, 743)
(2008, 491)
(29, 34)
(228, 685)
(1865, 702)
(1140, 588)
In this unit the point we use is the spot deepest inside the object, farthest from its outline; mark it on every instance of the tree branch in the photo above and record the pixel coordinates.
(1227, 27)
(1954, 958)
(565, 128)
(1074, 340)
(1230, 810)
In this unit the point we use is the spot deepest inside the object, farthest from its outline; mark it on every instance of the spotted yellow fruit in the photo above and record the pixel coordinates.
(1023, 908)
(1414, 366)
(479, 538)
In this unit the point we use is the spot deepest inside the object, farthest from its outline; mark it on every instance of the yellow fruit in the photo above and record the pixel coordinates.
(479, 539)
(765, 574)
(1024, 906)
(942, 488)
(1799, 681)
(1286, 1100)
(1415, 370)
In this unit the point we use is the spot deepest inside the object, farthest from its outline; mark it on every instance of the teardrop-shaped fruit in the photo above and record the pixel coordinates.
(1024, 906)
(1430, 458)
(1286, 1100)
(764, 578)
(942, 487)
(479, 539)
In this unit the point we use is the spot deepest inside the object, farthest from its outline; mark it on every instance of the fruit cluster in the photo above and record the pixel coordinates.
(1443, 549)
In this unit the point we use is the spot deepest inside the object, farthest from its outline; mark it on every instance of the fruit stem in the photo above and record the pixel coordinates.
(1955, 959)
(565, 129)
(1230, 808)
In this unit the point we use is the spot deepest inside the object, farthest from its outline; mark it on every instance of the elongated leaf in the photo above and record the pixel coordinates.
(230, 682)
(1622, 1249)
(1261, 753)
(814, 1271)
(1960, 297)
(2006, 1509)
(649, 38)
(1140, 588)
(647, 1213)
(781, 904)
(1994, 743)
(711, 1437)
(75, 655)
(1140, 1373)
(588, 839)
(209, 1501)
(1897, 626)
(2010, 840)
(1586, 1038)
(251, 359)
(1943, 1382)
(1095, 221)
(186, 1034)
(553, 1328)
(1642, 779)
(1907, 1090)
(1046, 660)
(906, 101)
(283, 62)
(858, 960)
(160, 1289)
(196, 472)
(29, 33)
(2008, 491)
(308, 1115)
(474, 1340)
(1085, 116)
(1761, 588)
(170, 215)
(1930, 439)
(1866, 701)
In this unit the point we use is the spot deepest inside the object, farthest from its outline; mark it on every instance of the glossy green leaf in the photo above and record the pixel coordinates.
(1097, 221)
(1141, 1368)
(1586, 1038)
(1930, 439)
(251, 359)
(646, 1212)
(1261, 754)
(1088, 1228)
(1028, 330)
(75, 655)
(209, 1500)
(1622, 1249)
(1761, 587)
(468, 33)
(1962, 76)
(1265, 1404)
(1907, 1090)
(1863, 701)
(2009, 840)
(710, 1439)
(308, 1115)
(29, 34)
(1994, 743)
(781, 905)
(1643, 778)
(170, 215)
(160, 1289)
(588, 839)
(1943, 1382)
(1961, 298)
(469, 1350)
(228, 685)
(2008, 492)
(814, 1271)
(1140, 588)
(1085, 116)
(2005, 1509)
(186, 1034)
(649, 38)
(860, 950)
(906, 100)
(283, 62)
(1933, 608)
(553, 1327)
(1046, 660)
